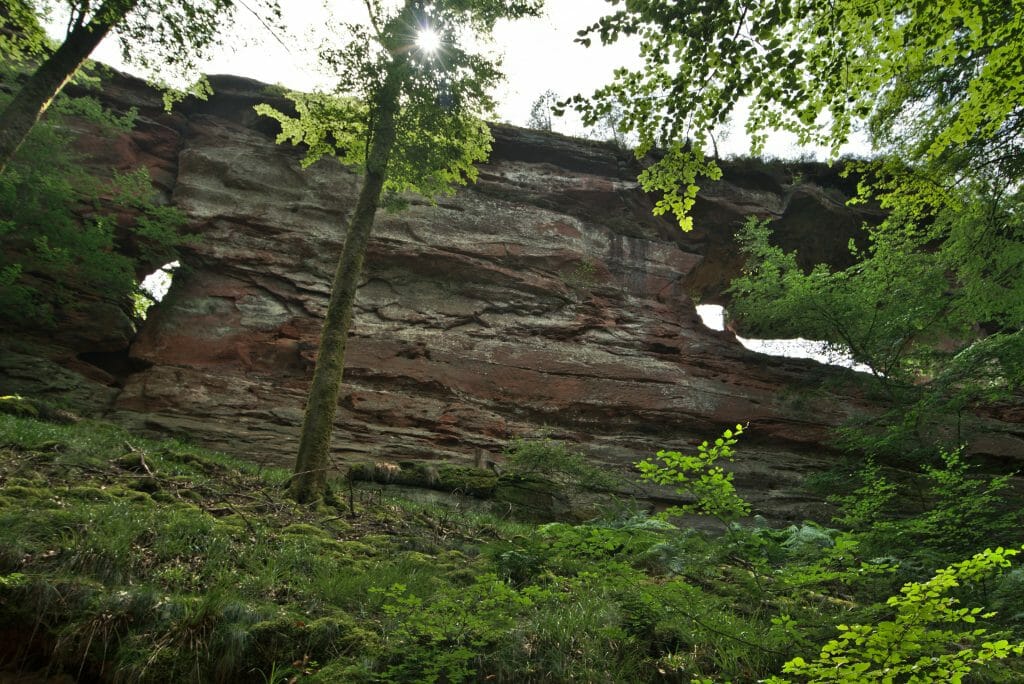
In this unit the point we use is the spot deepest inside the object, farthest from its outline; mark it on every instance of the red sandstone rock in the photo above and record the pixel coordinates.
(545, 297)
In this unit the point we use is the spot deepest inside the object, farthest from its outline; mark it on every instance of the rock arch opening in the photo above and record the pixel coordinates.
(154, 287)
(713, 316)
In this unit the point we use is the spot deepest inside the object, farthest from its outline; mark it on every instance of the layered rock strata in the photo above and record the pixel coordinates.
(545, 299)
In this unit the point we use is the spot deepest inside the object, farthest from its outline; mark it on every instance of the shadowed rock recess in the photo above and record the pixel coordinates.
(544, 299)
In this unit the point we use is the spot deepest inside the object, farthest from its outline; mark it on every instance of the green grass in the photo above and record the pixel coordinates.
(125, 559)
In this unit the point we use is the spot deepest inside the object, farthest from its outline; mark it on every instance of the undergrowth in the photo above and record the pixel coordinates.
(124, 559)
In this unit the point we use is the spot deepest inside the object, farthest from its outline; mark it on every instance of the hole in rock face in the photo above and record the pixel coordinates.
(157, 283)
(154, 287)
(713, 316)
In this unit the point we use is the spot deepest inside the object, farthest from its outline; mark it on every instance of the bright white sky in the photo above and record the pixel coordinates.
(539, 55)
(713, 316)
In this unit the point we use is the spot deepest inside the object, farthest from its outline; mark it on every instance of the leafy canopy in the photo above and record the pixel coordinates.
(444, 94)
(885, 309)
(21, 34)
(166, 38)
(928, 78)
(935, 313)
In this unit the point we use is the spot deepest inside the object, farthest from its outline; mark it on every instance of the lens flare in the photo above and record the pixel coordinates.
(428, 40)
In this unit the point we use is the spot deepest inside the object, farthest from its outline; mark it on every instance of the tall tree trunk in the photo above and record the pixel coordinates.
(309, 481)
(35, 96)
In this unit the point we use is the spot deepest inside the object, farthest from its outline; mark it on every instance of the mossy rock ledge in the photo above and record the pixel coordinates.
(523, 497)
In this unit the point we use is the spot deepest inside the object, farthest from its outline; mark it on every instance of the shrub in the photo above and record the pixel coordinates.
(700, 477)
(552, 460)
(930, 638)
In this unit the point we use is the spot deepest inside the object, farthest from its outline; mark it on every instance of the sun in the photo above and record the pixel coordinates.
(428, 40)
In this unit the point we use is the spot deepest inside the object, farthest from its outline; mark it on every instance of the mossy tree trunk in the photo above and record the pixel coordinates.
(309, 481)
(35, 96)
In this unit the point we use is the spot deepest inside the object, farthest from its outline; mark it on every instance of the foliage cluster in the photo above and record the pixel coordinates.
(159, 561)
(930, 81)
(59, 224)
(166, 38)
(920, 642)
(443, 97)
(554, 461)
(424, 161)
(22, 36)
(701, 477)
(938, 322)
(910, 645)
(952, 508)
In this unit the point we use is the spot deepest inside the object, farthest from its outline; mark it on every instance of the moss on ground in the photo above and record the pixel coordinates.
(124, 559)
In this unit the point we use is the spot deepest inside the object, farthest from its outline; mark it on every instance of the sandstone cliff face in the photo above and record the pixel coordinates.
(546, 298)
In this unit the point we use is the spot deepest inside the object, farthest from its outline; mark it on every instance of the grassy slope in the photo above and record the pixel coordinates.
(131, 560)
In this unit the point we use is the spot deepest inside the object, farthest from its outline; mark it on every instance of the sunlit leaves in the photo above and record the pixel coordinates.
(819, 69)
(930, 638)
(326, 125)
(701, 477)
(675, 176)
(21, 34)
(440, 135)
(165, 37)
